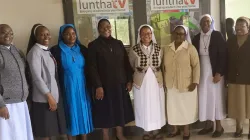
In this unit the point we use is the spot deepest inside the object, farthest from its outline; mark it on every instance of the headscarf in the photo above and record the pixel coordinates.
(245, 19)
(61, 43)
(152, 30)
(100, 21)
(187, 32)
(212, 20)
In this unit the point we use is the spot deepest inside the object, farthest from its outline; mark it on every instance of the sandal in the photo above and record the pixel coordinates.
(206, 131)
(158, 136)
(147, 137)
(217, 134)
(238, 134)
(171, 135)
(186, 137)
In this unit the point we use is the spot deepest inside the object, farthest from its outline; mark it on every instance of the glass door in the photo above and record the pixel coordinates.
(122, 25)
(164, 21)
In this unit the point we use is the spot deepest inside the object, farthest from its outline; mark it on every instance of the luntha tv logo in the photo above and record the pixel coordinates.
(174, 4)
(101, 4)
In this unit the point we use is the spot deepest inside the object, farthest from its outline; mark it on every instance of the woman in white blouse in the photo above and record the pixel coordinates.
(149, 97)
(211, 47)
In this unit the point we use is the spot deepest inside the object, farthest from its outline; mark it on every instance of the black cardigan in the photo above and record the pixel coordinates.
(108, 63)
(217, 52)
(238, 62)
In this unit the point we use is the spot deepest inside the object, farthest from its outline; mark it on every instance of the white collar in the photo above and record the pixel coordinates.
(183, 45)
(42, 46)
(8, 47)
(208, 33)
(147, 47)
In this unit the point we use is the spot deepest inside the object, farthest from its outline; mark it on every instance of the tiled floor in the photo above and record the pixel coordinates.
(229, 126)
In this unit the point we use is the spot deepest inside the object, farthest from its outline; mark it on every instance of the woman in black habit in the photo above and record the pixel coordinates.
(111, 77)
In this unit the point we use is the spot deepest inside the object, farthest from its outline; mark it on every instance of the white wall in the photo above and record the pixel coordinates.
(237, 8)
(21, 15)
(215, 12)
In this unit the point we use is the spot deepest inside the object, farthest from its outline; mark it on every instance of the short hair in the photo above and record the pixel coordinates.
(230, 22)
(243, 20)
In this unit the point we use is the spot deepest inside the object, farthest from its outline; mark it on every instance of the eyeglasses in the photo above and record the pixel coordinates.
(180, 34)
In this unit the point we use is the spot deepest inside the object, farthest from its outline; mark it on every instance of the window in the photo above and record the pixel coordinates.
(122, 25)
(237, 8)
(164, 22)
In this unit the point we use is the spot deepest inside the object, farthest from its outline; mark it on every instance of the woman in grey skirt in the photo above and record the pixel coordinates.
(47, 113)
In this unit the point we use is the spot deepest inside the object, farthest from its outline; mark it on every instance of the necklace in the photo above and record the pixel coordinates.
(73, 53)
(206, 44)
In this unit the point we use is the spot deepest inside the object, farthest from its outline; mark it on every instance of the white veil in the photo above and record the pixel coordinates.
(188, 38)
(152, 30)
(211, 18)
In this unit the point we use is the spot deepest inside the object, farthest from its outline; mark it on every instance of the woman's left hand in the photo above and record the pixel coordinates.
(129, 86)
(217, 78)
(192, 87)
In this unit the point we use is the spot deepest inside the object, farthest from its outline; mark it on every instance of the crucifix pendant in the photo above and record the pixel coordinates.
(205, 49)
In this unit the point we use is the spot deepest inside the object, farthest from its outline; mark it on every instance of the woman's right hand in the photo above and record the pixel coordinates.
(99, 93)
(192, 87)
(52, 102)
(4, 113)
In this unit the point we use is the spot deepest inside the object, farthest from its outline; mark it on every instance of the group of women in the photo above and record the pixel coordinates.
(194, 75)
(75, 89)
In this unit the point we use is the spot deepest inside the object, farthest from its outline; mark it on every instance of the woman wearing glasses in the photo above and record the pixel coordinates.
(149, 97)
(181, 71)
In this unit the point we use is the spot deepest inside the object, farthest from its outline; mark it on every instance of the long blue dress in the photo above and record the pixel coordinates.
(77, 102)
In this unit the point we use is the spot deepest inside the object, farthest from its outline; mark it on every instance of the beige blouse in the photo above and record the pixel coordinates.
(181, 67)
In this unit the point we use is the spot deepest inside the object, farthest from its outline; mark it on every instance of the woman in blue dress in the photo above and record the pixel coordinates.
(70, 56)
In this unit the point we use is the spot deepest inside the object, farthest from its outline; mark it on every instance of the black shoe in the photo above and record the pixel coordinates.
(158, 136)
(205, 131)
(171, 135)
(238, 134)
(146, 137)
(217, 134)
(186, 137)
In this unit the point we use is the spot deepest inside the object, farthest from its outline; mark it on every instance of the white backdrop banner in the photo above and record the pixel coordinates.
(174, 4)
(102, 6)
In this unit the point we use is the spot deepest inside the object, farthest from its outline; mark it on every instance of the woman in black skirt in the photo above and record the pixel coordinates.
(47, 113)
(111, 75)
